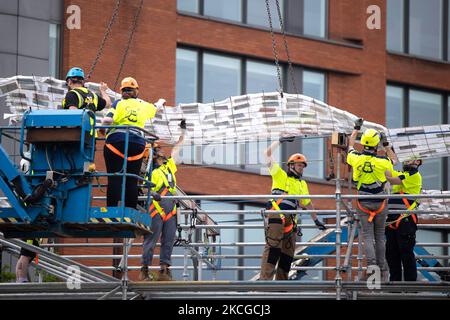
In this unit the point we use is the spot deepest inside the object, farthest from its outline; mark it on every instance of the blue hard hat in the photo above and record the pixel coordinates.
(75, 72)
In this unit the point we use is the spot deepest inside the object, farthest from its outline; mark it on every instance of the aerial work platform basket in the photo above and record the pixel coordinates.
(53, 198)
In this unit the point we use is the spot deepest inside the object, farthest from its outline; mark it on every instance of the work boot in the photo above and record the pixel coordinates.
(143, 275)
(164, 275)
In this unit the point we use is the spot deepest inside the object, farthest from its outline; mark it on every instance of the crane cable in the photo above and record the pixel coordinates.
(105, 37)
(274, 49)
(286, 47)
(130, 38)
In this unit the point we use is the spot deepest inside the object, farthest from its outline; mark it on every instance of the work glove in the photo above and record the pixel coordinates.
(358, 124)
(320, 225)
(287, 139)
(383, 139)
(156, 196)
(183, 124)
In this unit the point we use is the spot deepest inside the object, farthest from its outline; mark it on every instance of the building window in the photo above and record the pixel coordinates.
(425, 28)
(300, 17)
(260, 77)
(394, 107)
(257, 13)
(186, 76)
(423, 108)
(223, 76)
(416, 27)
(188, 5)
(314, 14)
(224, 9)
(54, 50)
(395, 25)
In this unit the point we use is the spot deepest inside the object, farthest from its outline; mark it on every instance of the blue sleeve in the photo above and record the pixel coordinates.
(115, 103)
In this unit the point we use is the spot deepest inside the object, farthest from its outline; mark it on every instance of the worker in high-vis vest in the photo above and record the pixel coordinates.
(369, 178)
(129, 111)
(401, 227)
(25, 258)
(281, 229)
(79, 97)
(163, 212)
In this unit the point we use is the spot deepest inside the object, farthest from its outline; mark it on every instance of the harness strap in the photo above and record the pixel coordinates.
(395, 224)
(371, 213)
(120, 154)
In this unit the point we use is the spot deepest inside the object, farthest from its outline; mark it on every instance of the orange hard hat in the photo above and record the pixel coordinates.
(129, 82)
(297, 157)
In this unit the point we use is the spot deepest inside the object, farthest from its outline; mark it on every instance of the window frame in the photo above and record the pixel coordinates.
(445, 98)
(243, 70)
(244, 19)
(406, 33)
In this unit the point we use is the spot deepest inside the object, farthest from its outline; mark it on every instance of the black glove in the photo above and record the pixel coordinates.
(183, 124)
(156, 196)
(320, 225)
(383, 139)
(358, 124)
(287, 139)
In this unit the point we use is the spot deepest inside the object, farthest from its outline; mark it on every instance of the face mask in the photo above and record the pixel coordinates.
(409, 167)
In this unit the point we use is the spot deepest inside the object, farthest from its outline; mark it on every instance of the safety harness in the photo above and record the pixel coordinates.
(120, 154)
(155, 207)
(396, 223)
(371, 213)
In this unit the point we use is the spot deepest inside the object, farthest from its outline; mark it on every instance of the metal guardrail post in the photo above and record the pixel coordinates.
(125, 269)
(338, 231)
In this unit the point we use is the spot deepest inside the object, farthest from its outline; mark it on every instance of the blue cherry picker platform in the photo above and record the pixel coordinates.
(54, 197)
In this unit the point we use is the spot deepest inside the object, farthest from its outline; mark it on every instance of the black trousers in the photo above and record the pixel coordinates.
(114, 163)
(400, 251)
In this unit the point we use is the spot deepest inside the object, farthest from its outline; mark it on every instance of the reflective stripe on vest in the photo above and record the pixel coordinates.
(82, 96)
(371, 213)
(120, 154)
(394, 225)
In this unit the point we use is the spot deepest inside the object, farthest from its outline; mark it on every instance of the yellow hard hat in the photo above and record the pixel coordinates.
(296, 158)
(129, 82)
(370, 138)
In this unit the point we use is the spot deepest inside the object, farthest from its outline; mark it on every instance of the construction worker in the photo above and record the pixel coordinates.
(281, 229)
(401, 228)
(25, 258)
(163, 213)
(80, 97)
(369, 177)
(129, 111)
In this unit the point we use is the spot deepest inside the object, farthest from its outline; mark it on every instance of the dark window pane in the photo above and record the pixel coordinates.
(225, 9)
(257, 13)
(186, 82)
(425, 108)
(261, 77)
(425, 28)
(394, 107)
(221, 77)
(188, 5)
(314, 85)
(314, 17)
(313, 149)
(431, 172)
(54, 50)
(395, 20)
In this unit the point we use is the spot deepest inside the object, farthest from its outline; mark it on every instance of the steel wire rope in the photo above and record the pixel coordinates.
(105, 37)
(130, 38)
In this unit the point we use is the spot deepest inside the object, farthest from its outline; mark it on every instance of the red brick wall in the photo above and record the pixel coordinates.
(356, 79)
